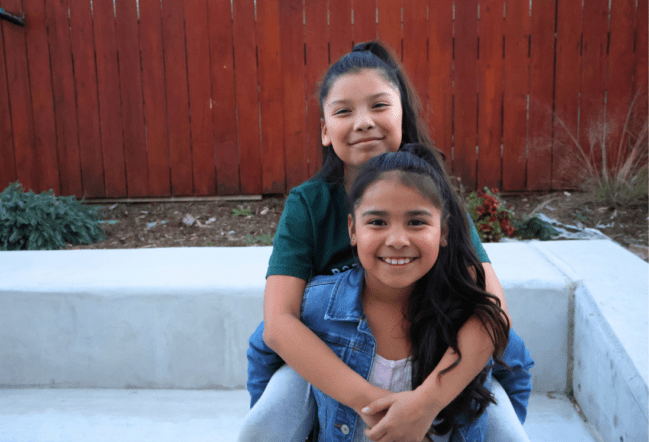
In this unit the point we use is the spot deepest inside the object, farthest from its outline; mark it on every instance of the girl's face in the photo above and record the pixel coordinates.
(398, 233)
(362, 117)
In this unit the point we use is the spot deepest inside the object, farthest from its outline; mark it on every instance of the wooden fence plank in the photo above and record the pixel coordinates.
(389, 25)
(566, 95)
(85, 74)
(620, 74)
(180, 158)
(224, 107)
(317, 60)
(130, 79)
(466, 92)
(440, 80)
(200, 97)
(7, 154)
(65, 110)
(517, 31)
(593, 78)
(364, 14)
(641, 51)
(340, 27)
(539, 158)
(20, 101)
(109, 99)
(155, 97)
(270, 97)
(247, 98)
(415, 50)
(490, 88)
(294, 91)
(40, 78)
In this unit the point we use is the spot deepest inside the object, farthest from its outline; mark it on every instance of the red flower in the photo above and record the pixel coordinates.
(480, 210)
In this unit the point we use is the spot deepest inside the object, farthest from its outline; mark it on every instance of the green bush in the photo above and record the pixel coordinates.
(44, 222)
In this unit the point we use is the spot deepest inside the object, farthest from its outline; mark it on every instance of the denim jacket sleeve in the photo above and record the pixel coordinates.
(263, 362)
(517, 382)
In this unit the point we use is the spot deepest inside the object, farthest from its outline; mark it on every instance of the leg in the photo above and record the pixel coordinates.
(285, 412)
(504, 425)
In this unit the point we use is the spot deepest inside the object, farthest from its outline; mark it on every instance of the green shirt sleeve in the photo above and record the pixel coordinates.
(477, 244)
(293, 244)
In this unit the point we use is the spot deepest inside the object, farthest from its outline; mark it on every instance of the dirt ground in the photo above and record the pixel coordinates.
(253, 223)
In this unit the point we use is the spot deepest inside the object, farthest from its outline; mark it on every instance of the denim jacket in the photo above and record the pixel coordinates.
(332, 309)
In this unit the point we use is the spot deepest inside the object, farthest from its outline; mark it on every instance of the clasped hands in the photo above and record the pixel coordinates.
(399, 417)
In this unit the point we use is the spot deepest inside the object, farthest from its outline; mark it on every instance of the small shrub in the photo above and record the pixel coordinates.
(44, 222)
(491, 219)
(241, 212)
(622, 182)
(266, 239)
(534, 228)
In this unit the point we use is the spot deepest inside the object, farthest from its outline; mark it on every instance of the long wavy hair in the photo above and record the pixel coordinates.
(373, 55)
(451, 292)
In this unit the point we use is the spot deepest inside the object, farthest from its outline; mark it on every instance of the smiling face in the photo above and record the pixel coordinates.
(398, 233)
(362, 118)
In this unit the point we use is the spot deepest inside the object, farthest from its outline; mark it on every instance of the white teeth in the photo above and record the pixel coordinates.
(397, 261)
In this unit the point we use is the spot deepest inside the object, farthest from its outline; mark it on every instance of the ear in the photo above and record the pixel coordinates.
(352, 230)
(443, 239)
(326, 141)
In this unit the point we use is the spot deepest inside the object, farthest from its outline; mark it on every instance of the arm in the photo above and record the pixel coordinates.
(263, 362)
(299, 346)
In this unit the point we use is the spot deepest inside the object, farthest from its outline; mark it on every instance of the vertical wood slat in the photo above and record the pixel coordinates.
(539, 160)
(316, 66)
(294, 90)
(19, 102)
(389, 25)
(223, 115)
(85, 74)
(130, 76)
(40, 77)
(270, 97)
(109, 99)
(566, 95)
(65, 110)
(247, 97)
(7, 155)
(593, 78)
(415, 33)
(466, 92)
(517, 30)
(440, 81)
(340, 27)
(490, 88)
(200, 97)
(155, 97)
(364, 20)
(175, 62)
(641, 50)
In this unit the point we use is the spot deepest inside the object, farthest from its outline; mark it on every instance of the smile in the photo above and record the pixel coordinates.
(366, 140)
(397, 261)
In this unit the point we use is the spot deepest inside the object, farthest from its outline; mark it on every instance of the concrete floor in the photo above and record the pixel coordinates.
(74, 415)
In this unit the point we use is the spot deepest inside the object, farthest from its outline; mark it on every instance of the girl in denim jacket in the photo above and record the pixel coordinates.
(393, 320)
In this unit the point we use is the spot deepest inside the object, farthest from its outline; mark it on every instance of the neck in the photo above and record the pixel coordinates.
(350, 174)
(396, 298)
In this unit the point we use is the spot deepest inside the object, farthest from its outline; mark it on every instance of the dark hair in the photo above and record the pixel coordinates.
(450, 293)
(373, 55)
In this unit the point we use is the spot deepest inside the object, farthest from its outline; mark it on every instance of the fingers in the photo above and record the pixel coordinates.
(379, 405)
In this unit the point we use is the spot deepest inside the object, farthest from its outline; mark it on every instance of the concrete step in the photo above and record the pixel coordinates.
(106, 415)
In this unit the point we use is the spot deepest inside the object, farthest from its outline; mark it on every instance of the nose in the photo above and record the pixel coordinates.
(363, 121)
(397, 238)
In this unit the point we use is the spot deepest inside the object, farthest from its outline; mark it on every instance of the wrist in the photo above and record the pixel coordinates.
(367, 396)
(428, 401)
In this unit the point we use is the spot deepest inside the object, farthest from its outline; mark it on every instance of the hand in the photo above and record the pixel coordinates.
(407, 417)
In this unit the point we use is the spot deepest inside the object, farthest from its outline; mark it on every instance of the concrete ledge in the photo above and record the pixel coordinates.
(181, 318)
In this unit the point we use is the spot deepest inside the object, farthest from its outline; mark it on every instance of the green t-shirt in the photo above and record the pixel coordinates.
(312, 236)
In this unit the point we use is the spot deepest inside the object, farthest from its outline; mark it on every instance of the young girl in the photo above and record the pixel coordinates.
(368, 108)
(392, 321)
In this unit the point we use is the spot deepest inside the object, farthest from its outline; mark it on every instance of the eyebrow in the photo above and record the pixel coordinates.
(371, 97)
(385, 213)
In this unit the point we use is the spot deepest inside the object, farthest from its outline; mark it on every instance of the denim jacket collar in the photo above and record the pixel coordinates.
(343, 307)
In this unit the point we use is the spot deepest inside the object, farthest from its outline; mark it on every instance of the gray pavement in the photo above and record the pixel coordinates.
(107, 415)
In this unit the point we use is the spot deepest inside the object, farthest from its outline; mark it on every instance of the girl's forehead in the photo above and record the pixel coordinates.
(389, 189)
(361, 83)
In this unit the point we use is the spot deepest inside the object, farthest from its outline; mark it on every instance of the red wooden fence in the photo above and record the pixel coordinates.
(212, 97)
